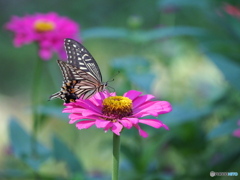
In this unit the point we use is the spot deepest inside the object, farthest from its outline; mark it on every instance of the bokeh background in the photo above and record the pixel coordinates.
(185, 52)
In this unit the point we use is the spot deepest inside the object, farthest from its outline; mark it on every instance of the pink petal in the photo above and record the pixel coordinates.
(72, 109)
(142, 133)
(67, 110)
(62, 54)
(117, 128)
(154, 123)
(109, 125)
(20, 39)
(142, 99)
(126, 123)
(75, 117)
(87, 112)
(45, 54)
(132, 120)
(132, 94)
(102, 123)
(105, 94)
(87, 104)
(97, 99)
(236, 133)
(153, 108)
(84, 124)
(81, 111)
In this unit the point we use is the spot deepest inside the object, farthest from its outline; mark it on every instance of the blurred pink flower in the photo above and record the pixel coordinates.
(237, 131)
(48, 30)
(232, 10)
(111, 112)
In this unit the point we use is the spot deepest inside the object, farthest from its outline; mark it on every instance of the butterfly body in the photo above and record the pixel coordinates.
(82, 76)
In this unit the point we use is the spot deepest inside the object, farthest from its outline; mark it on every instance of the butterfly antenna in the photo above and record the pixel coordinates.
(114, 76)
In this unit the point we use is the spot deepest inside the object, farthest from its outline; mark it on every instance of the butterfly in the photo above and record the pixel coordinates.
(81, 74)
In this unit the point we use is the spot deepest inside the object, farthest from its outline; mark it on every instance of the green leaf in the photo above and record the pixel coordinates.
(234, 24)
(140, 36)
(137, 70)
(22, 144)
(174, 3)
(62, 153)
(166, 32)
(230, 70)
(178, 114)
(53, 111)
(225, 128)
(104, 32)
(13, 173)
(127, 63)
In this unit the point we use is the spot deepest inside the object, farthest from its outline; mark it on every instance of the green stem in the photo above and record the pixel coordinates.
(116, 150)
(35, 102)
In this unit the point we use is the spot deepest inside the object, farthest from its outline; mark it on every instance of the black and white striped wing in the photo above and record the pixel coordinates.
(72, 73)
(81, 74)
(86, 85)
(68, 72)
(79, 57)
(87, 88)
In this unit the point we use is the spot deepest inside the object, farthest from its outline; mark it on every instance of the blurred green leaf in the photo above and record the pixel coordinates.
(225, 128)
(62, 153)
(16, 174)
(127, 63)
(230, 70)
(130, 153)
(146, 151)
(166, 32)
(172, 3)
(13, 173)
(165, 176)
(235, 25)
(144, 81)
(227, 157)
(22, 144)
(182, 113)
(141, 36)
(137, 70)
(104, 32)
(53, 111)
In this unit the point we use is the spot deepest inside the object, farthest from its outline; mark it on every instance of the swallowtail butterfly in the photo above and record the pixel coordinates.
(81, 74)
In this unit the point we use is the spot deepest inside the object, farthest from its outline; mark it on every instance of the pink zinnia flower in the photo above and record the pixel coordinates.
(48, 30)
(111, 112)
(237, 131)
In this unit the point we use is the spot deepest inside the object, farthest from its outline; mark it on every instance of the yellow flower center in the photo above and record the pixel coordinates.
(43, 26)
(117, 107)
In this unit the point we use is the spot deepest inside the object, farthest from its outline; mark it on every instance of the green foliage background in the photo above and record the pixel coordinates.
(185, 52)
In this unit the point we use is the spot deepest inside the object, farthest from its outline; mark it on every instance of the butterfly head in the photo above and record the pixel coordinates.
(105, 84)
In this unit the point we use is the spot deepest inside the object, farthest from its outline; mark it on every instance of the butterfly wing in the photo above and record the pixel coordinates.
(81, 74)
(86, 85)
(86, 89)
(79, 57)
(67, 92)
(72, 73)
(68, 72)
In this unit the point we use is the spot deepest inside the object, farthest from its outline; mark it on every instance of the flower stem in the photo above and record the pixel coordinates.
(116, 150)
(35, 101)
